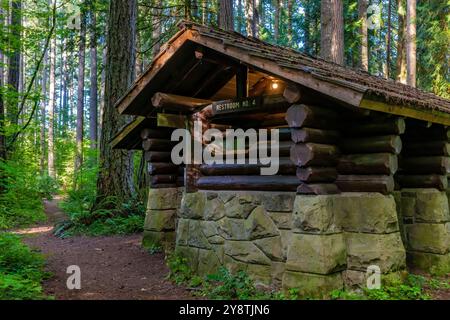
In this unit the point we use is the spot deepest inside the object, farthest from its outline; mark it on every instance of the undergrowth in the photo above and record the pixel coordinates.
(225, 285)
(110, 216)
(21, 270)
(21, 194)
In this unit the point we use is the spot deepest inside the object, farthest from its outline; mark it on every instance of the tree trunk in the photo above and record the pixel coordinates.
(156, 23)
(401, 54)
(276, 21)
(115, 178)
(43, 113)
(290, 8)
(226, 20)
(364, 45)
(411, 42)
(252, 14)
(2, 105)
(93, 101)
(14, 59)
(51, 109)
(332, 31)
(80, 94)
(388, 45)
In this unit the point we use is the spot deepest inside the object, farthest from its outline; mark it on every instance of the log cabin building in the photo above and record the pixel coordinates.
(363, 167)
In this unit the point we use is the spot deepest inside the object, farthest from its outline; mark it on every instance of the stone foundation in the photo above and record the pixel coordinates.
(161, 218)
(314, 243)
(425, 217)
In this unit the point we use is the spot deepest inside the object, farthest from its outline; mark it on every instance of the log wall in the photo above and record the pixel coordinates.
(315, 152)
(370, 149)
(157, 146)
(425, 160)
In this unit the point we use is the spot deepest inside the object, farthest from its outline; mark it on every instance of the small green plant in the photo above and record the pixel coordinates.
(21, 270)
(225, 285)
(180, 272)
(154, 249)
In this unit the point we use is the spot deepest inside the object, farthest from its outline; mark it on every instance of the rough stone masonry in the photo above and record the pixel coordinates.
(313, 243)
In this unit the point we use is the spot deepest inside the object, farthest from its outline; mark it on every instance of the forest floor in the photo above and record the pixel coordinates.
(114, 267)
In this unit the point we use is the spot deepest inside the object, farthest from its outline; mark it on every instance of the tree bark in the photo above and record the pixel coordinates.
(276, 21)
(252, 14)
(51, 108)
(2, 105)
(80, 94)
(332, 31)
(364, 45)
(93, 96)
(411, 43)
(115, 178)
(226, 20)
(156, 23)
(14, 59)
(401, 41)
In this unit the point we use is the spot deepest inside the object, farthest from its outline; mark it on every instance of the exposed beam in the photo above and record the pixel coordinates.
(174, 103)
(242, 82)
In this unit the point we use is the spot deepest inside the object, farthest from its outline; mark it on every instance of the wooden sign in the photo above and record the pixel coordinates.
(233, 106)
(171, 120)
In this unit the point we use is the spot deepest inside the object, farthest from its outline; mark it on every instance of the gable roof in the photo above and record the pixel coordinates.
(353, 87)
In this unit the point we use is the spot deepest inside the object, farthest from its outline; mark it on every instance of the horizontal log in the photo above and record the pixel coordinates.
(425, 165)
(284, 148)
(376, 144)
(313, 154)
(164, 179)
(318, 189)
(439, 182)
(314, 135)
(372, 163)
(155, 168)
(157, 145)
(317, 174)
(366, 183)
(286, 167)
(163, 185)
(374, 128)
(426, 148)
(255, 183)
(156, 133)
(171, 102)
(299, 116)
(157, 156)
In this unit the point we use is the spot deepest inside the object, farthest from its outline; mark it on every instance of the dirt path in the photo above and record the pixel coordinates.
(111, 267)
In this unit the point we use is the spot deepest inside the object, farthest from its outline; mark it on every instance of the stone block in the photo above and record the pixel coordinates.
(367, 212)
(312, 285)
(283, 220)
(260, 274)
(191, 255)
(165, 240)
(193, 205)
(234, 265)
(431, 206)
(241, 206)
(245, 251)
(271, 247)
(277, 201)
(383, 250)
(208, 262)
(259, 225)
(436, 264)
(163, 199)
(182, 232)
(196, 238)
(233, 229)
(315, 214)
(286, 236)
(319, 254)
(160, 220)
(214, 209)
(429, 237)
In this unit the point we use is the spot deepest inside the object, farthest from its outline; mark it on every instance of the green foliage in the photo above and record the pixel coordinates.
(21, 196)
(154, 249)
(179, 270)
(110, 216)
(21, 270)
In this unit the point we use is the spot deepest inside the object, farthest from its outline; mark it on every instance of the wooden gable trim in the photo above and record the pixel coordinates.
(126, 131)
(176, 42)
(347, 95)
(434, 116)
